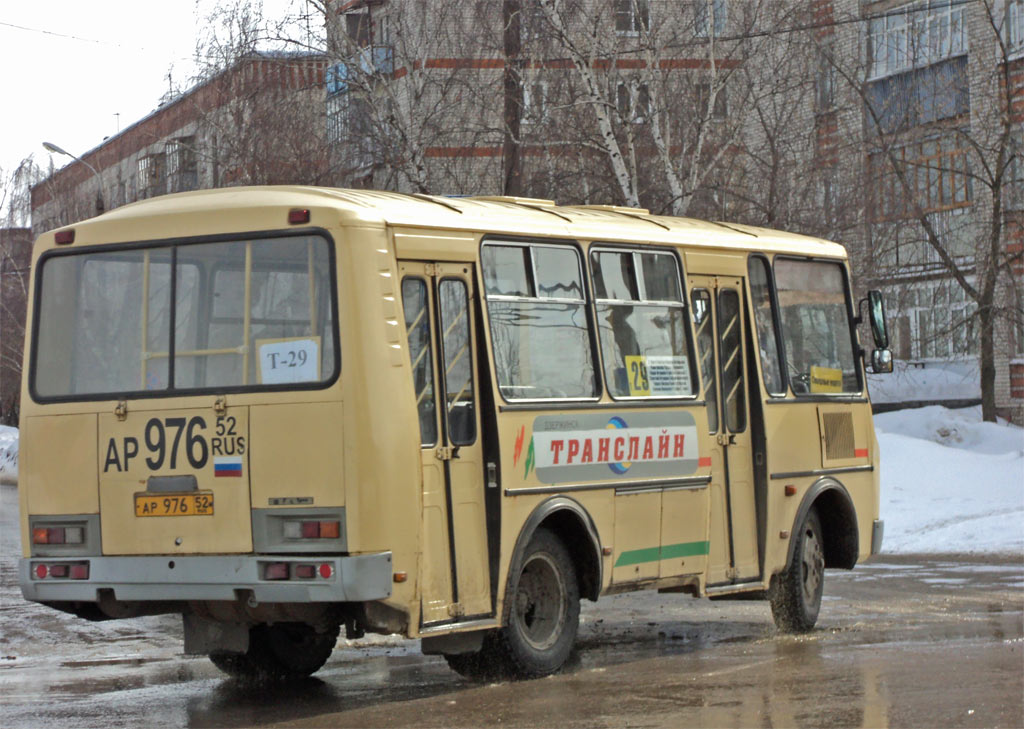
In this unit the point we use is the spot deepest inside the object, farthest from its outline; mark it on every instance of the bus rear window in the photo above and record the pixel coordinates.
(223, 315)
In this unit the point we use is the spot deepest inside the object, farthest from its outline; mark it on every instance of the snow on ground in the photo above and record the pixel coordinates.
(950, 482)
(8, 454)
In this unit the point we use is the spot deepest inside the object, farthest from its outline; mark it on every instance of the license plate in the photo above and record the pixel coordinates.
(174, 505)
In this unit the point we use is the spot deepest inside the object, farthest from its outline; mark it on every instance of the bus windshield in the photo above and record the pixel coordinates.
(186, 317)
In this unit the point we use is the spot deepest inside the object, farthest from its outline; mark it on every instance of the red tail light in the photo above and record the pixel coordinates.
(276, 571)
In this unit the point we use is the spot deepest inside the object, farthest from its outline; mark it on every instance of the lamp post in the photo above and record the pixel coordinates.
(51, 147)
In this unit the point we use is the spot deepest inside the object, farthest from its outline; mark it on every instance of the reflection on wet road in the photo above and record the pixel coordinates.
(900, 642)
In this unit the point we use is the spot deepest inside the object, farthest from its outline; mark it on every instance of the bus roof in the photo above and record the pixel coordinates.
(233, 208)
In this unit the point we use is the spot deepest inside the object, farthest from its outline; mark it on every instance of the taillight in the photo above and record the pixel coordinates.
(58, 535)
(275, 571)
(301, 571)
(311, 529)
(62, 571)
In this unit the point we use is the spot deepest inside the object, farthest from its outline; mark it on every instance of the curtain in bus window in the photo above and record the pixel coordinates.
(96, 303)
(641, 324)
(417, 327)
(539, 329)
(105, 318)
(816, 330)
(764, 323)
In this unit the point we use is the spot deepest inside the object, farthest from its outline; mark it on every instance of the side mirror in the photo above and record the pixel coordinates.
(876, 310)
(881, 361)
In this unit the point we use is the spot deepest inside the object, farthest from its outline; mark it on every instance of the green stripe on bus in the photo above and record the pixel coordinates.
(656, 554)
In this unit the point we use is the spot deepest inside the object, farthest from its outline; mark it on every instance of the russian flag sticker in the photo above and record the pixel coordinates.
(230, 466)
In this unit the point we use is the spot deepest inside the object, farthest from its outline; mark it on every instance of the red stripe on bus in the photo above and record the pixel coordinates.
(860, 453)
(704, 462)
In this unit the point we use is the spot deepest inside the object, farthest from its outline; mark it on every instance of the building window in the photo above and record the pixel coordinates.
(1015, 26)
(708, 109)
(825, 83)
(632, 16)
(151, 175)
(535, 101)
(181, 164)
(917, 35)
(633, 101)
(533, 24)
(939, 320)
(936, 172)
(710, 17)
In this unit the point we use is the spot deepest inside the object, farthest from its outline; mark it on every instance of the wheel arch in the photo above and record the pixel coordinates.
(838, 518)
(566, 518)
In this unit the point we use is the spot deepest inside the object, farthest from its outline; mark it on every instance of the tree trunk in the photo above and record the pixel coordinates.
(987, 363)
(511, 14)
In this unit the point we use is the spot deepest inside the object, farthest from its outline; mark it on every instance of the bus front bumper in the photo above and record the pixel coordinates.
(355, 578)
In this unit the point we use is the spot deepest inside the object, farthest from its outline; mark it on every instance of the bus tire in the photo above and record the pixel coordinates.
(796, 594)
(279, 651)
(542, 610)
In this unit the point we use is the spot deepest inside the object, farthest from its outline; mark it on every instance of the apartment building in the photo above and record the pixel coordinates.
(259, 121)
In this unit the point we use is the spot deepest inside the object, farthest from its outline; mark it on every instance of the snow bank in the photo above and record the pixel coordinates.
(950, 482)
(8, 454)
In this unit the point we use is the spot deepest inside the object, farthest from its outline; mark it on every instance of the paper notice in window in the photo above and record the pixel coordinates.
(668, 375)
(826, 379)
(283, 361)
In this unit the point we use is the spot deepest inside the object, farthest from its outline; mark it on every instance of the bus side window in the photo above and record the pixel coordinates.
(458, 361)
(539, 331)
(730, 347)
(641, 319)
(701, 302)
(417, 327)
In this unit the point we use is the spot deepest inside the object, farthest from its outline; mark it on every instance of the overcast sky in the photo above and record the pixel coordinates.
(74, 71)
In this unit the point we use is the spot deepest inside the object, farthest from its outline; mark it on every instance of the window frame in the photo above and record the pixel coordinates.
(528, 242)
(638, 13)
(598, 247)
(329, 380)
(851, 318)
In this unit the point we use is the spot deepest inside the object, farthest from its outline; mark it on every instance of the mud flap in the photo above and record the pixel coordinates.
(203, 636)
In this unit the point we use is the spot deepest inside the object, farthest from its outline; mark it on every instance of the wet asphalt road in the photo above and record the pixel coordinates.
(902, 641)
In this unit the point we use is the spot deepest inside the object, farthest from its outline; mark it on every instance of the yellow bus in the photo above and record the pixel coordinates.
(282, 411)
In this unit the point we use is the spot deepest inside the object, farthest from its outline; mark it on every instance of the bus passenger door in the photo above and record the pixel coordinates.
(453, 571)
(718, 313)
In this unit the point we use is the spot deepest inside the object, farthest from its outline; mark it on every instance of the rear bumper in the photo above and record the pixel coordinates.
(355, 578)
(876, 536)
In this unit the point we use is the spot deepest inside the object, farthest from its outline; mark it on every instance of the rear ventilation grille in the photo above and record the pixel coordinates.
(838, 435)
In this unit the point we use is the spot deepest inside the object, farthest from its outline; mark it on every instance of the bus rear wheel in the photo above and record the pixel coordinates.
(279, 651)
(796, 595)
(542, 610)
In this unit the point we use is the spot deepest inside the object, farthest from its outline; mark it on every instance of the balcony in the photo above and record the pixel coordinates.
(369, 61)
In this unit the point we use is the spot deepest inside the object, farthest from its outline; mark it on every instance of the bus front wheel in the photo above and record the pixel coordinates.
(796, 595)
(279, 651)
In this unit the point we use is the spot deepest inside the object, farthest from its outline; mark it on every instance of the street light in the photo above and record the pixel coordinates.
(53, 148)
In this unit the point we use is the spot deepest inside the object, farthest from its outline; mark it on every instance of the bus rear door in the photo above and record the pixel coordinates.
(454, 577)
